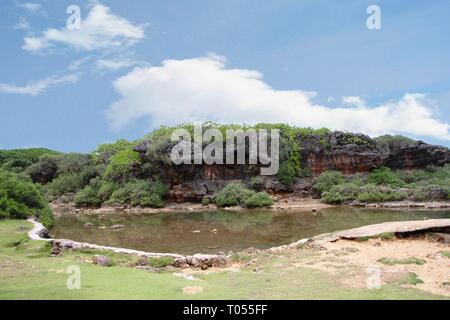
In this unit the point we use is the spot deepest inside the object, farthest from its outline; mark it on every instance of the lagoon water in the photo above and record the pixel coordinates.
(221, 231)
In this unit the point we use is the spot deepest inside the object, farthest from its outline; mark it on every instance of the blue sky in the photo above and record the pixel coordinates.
(229, 61)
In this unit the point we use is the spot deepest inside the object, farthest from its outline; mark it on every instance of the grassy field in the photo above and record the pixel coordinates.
(28, 272)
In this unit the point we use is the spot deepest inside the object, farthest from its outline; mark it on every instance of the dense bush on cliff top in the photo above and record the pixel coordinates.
(20, 199)
(383, 184)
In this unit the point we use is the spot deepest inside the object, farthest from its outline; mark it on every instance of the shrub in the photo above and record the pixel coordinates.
(45, 170)
(120, 166)
(260, 199)
(232, 194)
(257, 183)
(20, 199)
(88, 197)
(385, 176)
(328, 180)
(373, 193)
(341, 193)
(141, 193)
(205, 201)
(65, 184)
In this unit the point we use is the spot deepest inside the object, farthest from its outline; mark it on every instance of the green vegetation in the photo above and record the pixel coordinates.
(384, 184)
(114, 173)
(20, 159)
(235, 194)
(445, 254)
(232, 194)
(413, 279)
(394, 261)
(257, 183)
(160, 262)
(205, 201)
(30, 273)
(20, 199)
(259, 199)
(328, 180)
(385, 176)
(387, 140)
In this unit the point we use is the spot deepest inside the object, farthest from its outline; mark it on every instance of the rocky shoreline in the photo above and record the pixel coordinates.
(299, 204)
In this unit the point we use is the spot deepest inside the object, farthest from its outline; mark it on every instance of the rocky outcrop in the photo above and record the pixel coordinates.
(356, 153)
(345, 152)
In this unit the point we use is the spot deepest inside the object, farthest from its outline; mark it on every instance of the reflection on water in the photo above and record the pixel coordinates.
(212, 232)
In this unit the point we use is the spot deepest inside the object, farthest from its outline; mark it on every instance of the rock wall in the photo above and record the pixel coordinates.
(345, 152)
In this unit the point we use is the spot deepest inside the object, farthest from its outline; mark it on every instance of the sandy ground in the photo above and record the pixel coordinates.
(359, 260)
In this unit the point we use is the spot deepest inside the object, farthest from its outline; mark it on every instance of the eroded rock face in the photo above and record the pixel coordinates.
(355, 153)
(345, 152)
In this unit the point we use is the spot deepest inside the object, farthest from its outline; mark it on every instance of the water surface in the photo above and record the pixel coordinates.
(222, 231)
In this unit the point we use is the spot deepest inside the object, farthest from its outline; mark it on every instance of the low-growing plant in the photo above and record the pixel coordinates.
(160, 262)
(413, 279)
(394, 261)
(205, 201)
(259, 199)
(385, 176)
(257, 183)
(373, 193)
(327, 180)
(341, 193)
(232, 194)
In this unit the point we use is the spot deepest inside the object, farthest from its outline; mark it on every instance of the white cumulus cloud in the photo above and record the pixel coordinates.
(40, 86)
(204, 88)
(30, 6)
(100, 30)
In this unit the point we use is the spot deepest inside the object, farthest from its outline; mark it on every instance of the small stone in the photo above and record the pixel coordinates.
(88, 225)
(103, 261)
(214, 231)
(196, 231)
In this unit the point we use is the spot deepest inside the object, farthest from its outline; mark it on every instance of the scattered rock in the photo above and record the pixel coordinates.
(438, 237)
(103, 261)
(117, 226)
(148, 268)
(214, 231)
(88, 225)
(196, 231)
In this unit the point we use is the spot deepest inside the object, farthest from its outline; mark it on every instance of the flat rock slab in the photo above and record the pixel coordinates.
(393, 227)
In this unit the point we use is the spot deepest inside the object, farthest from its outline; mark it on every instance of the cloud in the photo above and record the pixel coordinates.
(30, 6)
(116, 64)
(100, 30)
(204, 88)
(353, 101)
(22, 24)
(38, 86)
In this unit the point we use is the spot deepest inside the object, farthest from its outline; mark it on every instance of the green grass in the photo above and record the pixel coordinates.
(394, 261)
(412, 279)
(160, 262)
(26, 276)
(445, 253)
